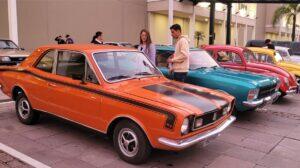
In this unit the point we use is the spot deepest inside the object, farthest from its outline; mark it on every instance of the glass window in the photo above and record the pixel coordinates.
(264, 58)
(7, 44)
(278, 57)
(90, 75)
(124, 65)
(162, 57)
(46, 63)
(229, 56)
(249, 56)
(201, 59)
(70, 63)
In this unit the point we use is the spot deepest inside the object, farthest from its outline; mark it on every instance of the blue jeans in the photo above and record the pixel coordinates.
(180, 76)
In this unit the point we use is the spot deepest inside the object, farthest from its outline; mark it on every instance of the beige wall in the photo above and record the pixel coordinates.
(40, 21)
(3, 19)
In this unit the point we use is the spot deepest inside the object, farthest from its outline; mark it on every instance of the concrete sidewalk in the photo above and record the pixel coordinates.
(269, 137)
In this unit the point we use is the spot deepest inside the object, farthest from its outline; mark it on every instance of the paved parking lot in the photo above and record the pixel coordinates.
(269, 137)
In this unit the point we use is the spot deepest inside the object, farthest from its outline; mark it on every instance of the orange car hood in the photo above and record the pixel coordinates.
(192, 100)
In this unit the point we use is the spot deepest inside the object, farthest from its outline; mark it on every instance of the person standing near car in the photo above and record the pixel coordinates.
(97, 38)
(69, 40)
(146, 46)
(269, 44)
(179, 61)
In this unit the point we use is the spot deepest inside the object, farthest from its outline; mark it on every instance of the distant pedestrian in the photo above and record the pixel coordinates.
(179, 61)
(69, 40)
(97, 38)
(60, 40)
(146, 46)
(269, 44)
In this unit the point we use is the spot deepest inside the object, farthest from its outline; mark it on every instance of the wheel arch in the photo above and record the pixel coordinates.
(112, 124)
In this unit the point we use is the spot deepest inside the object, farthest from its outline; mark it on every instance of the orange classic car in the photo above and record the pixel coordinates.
(116, 91)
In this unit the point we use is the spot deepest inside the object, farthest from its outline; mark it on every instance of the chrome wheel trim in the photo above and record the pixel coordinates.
(128, 142)
(24, 108)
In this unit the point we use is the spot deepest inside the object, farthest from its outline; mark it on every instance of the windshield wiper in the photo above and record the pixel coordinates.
(118, 77)
(144, 73)
(200, 68)
(7, 48)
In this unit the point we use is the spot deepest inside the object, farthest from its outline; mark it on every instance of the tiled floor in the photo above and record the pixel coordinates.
(269, 137)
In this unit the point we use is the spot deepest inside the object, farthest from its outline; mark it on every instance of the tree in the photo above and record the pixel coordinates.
(199, 36)
(289, 11)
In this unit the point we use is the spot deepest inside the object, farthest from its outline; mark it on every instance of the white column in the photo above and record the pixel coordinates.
(170, 15)
(13, 20)
(236, 30)
(246, 34)
(192, 28)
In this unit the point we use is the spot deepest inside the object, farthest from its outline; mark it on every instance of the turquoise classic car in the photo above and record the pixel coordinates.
(250, 90)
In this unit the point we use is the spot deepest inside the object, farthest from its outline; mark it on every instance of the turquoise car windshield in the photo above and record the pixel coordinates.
(201, 59)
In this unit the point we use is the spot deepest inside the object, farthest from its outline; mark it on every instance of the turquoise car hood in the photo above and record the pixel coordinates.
(237, 76)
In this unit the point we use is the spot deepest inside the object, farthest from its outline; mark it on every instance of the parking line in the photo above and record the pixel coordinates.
(22, 157)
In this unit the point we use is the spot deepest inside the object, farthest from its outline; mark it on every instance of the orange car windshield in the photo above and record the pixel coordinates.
(123, 65)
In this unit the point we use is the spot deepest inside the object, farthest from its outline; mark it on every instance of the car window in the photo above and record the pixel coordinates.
(70, 63)
(249, 56)
(90, 75)
(264, 58)
(161, 58)
(7, 44)
(229, 56)
(116, 66)
(46, 63)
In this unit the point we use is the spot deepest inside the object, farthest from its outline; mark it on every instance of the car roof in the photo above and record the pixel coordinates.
(88, 47)
(262, 50)
(226, 47)
(172, 48)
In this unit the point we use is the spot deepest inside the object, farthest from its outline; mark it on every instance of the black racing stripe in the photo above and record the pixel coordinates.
(170, 116)
(219, 100)
(202, 104)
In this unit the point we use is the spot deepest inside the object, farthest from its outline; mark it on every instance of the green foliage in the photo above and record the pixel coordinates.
(289, 11)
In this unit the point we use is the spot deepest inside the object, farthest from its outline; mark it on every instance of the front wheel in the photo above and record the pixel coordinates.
(24, 111)
(131, 142)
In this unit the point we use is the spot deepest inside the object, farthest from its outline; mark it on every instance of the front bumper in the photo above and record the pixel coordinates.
(292, 91)
(263, 101)
(184, 143)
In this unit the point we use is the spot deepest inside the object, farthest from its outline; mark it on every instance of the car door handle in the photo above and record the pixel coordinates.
(52, 84)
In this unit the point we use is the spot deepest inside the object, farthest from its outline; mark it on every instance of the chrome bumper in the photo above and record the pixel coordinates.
(263, 101)
(292, 91)
(184, 143)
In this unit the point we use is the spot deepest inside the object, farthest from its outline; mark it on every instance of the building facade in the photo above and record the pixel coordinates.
(242, 28)
(40, 21)
(265, 28)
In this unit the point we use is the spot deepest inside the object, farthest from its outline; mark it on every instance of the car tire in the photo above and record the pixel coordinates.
(131, 143)
(25, 113)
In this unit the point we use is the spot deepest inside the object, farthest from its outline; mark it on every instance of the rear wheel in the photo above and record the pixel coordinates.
(131, 142)
(24, 111)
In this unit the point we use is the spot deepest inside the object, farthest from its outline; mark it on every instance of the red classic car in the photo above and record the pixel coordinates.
(240, 58)
(119, 92)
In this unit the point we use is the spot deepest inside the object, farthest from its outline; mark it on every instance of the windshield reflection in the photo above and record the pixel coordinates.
(201, 59)
(7, 44)
(116, 66)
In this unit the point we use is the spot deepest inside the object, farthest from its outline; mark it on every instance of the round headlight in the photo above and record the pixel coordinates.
(5, 59)
(185, 126)
(253, 94)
